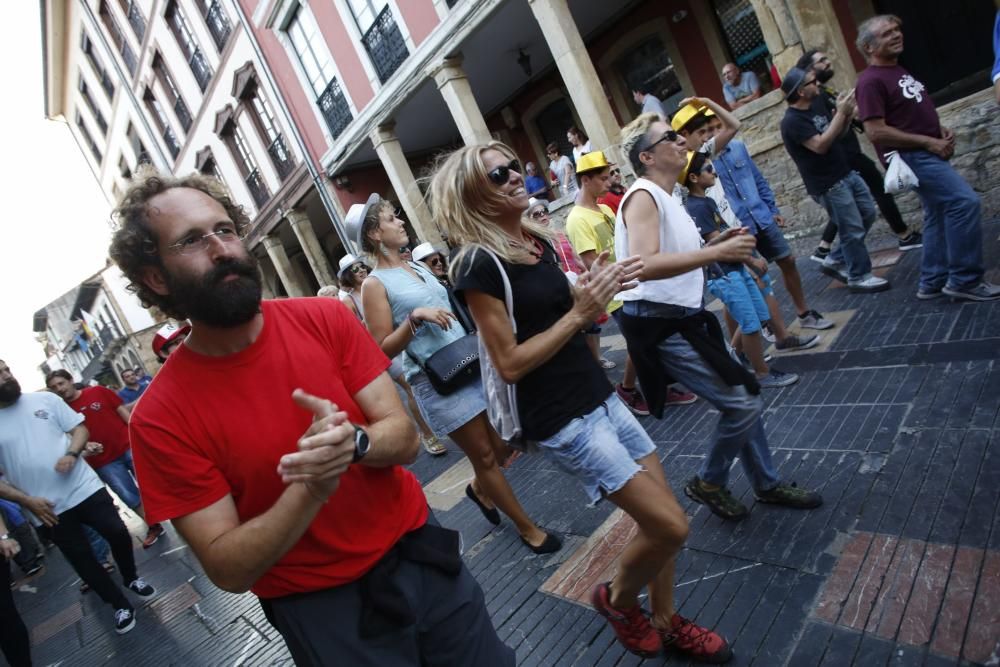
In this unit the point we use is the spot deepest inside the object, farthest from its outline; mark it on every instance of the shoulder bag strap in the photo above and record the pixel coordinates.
(508, 295)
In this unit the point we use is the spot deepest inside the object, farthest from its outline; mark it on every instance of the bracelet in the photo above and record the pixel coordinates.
(315, 497)
(414, 323)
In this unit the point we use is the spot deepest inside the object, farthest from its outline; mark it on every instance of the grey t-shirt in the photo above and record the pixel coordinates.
(652, 104)
(32, 438)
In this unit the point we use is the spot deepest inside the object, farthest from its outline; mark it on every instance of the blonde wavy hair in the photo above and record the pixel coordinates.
(465, 203)
(632, 136)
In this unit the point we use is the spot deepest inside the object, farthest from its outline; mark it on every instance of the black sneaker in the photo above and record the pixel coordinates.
(140, 587)
(797, 342)
(912, 241)
(124, 620)
(984, 291)
(790, 495)
(720, 501)
(819, 254)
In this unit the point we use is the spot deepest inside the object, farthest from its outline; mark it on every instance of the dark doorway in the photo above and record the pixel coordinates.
(647, 64)
(552, 124)
(948, 44)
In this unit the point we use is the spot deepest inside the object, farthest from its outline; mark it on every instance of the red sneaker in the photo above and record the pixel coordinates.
(633, 400)
(631, 626)
(675, 397)
(695, 642)
(152, 535)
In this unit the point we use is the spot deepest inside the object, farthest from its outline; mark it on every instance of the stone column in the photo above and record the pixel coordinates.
(390, 153)
(454, 86)
(579, 76)
(283, 266)
(819, 28)
(311, 247)
(268, 276)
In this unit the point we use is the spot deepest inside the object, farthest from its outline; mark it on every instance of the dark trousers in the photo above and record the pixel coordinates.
(875, 181)
(98, 512)
(31, 550)
(14, 640)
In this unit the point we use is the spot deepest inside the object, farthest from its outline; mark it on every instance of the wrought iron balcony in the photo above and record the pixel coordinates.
(171, 141)
(280, 157)
(182, 113)
(258, 190)
(385, 45)
(137, 21)
(333, 105)
(200, 68)
(218, 24)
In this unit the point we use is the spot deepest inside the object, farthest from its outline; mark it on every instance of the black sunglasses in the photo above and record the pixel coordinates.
(707, 169)
(669, 135)
(501, 174)
(358, 268)
(435, 261)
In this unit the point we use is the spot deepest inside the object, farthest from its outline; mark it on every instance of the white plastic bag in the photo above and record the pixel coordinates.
(898, 176)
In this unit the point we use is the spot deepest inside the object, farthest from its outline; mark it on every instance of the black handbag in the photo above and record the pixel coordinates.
(455, 365)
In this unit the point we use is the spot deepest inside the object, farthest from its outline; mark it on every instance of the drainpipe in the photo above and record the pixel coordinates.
(317, 176)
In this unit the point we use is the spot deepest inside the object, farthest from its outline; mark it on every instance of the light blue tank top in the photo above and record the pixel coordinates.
(407, 293)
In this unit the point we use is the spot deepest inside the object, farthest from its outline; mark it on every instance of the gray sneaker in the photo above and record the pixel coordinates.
(836, 270)
(776, 379)
(928, 293)
(814, 320)
(984, 291)
(869, 285)
(797, 342)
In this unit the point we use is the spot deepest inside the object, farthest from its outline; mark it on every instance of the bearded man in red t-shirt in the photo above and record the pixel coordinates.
(108, 451)
(274, 440)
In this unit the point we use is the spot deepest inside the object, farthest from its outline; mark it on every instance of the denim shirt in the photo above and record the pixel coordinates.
(747, 190)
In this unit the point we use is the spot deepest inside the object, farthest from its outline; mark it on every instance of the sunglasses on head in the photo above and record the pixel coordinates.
(501, 174)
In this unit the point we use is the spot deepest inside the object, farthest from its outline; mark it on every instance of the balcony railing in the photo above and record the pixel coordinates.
(385, 45)
(200, 68)
(280, 157)
(170, 139)
(137, 21)
(218, 24)
(182, 113)
(333, 105)
(257, 188)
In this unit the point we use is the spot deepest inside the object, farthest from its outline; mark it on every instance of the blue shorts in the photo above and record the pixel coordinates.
(739, 291)
(768, 288)
(120, 476)
(600, 448)
(771, 243)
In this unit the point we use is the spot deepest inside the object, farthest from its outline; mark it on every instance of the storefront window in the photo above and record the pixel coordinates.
(745, 41)
(648, 64)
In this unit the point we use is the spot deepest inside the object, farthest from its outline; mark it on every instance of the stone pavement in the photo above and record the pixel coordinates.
(895, 421)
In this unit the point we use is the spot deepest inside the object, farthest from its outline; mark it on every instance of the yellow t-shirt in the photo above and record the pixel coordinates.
(589, 230)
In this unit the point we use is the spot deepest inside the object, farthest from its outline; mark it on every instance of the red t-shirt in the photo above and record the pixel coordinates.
(893, 94)
(212, 426)
(611, 199)
(99, 407)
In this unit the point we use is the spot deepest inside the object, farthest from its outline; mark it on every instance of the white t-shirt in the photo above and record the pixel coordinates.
(33, 436)
(678, 233)
(716, 192)
(580, 151)
(558, 167)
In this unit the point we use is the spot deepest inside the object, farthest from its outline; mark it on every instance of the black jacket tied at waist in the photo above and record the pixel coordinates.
(701, 330)
(384, 607)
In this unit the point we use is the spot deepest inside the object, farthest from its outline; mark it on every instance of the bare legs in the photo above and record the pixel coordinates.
(485, 449)
(411, 403)
(793, 283)
(649, 557)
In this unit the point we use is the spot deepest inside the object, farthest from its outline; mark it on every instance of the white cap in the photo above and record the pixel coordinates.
(423, 250)
(533, 202)
(355, 218)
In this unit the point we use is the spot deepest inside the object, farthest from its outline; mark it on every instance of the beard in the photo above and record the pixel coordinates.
(824, 75)
(10, 391)
(218, 302)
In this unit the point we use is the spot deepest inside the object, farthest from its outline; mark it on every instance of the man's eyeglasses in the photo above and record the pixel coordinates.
(501, 174)
(197, 243)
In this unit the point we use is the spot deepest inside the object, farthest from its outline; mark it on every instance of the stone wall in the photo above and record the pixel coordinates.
(977, 147)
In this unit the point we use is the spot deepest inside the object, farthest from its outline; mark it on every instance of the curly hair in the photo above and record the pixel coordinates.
(134, 246)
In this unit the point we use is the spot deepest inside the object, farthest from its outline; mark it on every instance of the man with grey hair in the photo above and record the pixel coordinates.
(738, 87)
(899, 115)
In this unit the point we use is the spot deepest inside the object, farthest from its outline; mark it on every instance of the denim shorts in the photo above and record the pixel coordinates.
(771, 243)
(600, 448)
(118, 475)
(739, 291)
(446, 414)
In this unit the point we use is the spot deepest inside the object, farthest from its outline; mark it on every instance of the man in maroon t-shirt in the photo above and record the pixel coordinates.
(899, 115)
(108, 451)
(275, 441)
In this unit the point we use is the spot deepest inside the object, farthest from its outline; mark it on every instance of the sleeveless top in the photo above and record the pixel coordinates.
(678, 233)
(357, 303)
(405, 294)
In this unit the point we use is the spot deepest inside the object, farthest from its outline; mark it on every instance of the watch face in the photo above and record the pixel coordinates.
(361, 443)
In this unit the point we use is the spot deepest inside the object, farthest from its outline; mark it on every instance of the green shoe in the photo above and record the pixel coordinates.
(790, 495)
(720, 501)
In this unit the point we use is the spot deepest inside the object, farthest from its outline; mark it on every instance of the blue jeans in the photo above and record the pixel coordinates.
(851, 208)
(119, 476)
(953, 241)
(740, 431)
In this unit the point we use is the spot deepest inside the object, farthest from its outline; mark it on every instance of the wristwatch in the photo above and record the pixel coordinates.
(361, 443)
(5, 536)
(75, 455)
